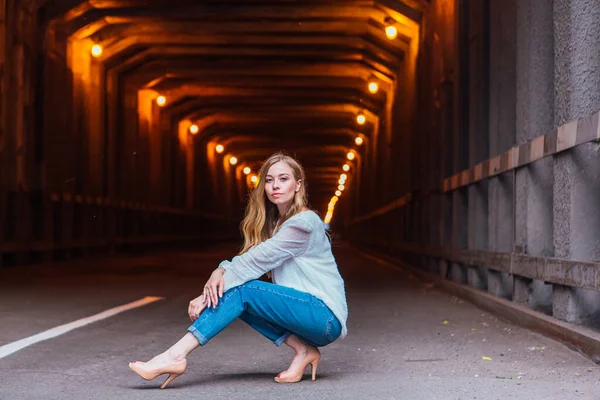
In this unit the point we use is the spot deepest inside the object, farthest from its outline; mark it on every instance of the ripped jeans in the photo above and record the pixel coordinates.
(274, 311)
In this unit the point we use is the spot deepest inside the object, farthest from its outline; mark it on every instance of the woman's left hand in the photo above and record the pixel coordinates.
(213, 288)
(196, 307)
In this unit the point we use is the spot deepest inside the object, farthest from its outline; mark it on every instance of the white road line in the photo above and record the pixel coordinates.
(10, 348)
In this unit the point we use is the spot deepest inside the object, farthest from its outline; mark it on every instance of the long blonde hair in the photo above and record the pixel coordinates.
(261, 215)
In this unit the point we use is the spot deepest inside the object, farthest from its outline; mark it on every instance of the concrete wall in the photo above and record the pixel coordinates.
(502, 98)
(534, 117)
(478, 16)
(576, 172)
(19, 159)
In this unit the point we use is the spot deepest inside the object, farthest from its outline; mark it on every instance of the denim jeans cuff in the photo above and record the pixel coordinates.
(200, 337)
(282, 338)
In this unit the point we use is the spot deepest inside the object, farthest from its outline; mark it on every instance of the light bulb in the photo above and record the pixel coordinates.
(391, 32)
(96, 50)
(373, 87)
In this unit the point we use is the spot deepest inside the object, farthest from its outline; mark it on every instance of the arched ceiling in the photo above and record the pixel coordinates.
(260, 76)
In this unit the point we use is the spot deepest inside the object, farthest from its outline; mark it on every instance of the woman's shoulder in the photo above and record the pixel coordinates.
(307, 216)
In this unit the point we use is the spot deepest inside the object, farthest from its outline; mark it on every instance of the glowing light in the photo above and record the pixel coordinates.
(254, 178)
(338, 193)
(96, 50)
(373, 87)
(328, 216)
(161, 100)
(247, 170)
(358, 140)
(361, 119)
(341, 181)
(331, 207)
(219, 149)
(391, 32)
(343, 176)
(341, 188)
(233, 161)
(194, 129)
(350, 155)
(346, 167)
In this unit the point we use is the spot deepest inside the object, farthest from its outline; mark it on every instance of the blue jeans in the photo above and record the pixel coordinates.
(275, 311)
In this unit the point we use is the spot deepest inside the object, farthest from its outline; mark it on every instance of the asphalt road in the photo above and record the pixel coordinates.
(407, 339)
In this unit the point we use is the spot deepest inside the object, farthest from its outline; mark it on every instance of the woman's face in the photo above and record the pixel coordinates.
(280, 185)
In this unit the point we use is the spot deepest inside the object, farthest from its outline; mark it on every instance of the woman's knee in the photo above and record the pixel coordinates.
(253, 284)
(241, 288)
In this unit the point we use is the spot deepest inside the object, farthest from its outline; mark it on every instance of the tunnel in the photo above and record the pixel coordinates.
(451, 150)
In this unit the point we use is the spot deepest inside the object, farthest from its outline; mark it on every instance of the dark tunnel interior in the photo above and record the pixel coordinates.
(144, 119)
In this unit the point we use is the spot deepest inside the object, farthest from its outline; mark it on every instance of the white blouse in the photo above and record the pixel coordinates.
(299, 256)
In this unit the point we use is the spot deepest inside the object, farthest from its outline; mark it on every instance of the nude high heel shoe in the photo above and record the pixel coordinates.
(313, 359)
(174, 370)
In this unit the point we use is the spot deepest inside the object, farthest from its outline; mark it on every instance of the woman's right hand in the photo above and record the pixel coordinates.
(197, 306)
(213, 288)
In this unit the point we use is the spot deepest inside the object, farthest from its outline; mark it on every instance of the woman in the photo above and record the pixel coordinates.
(305, 306)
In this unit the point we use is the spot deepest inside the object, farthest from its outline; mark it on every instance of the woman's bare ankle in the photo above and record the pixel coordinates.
(298, 345)
(175, 355)
(180, 350)
(304, 350)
